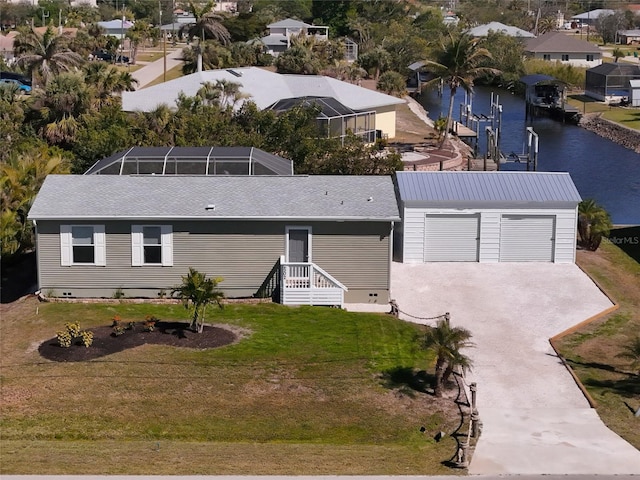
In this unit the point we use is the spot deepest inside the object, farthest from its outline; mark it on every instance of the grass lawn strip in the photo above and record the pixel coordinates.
(592, 351)
(306, 391)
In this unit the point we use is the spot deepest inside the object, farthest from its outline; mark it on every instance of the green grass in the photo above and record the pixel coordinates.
(592, 351)
(302, 393)
(172, 74)
(629, 117)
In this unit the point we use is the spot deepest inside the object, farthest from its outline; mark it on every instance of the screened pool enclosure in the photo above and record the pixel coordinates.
(334, 120)
(192, 161)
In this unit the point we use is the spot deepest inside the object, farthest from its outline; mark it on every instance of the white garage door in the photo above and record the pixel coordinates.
(451, 238)
(527, 238)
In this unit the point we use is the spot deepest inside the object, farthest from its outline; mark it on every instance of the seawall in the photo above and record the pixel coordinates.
(617, 133)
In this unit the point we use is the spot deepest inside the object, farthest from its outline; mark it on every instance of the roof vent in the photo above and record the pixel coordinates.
(211, 206)
(370, 199)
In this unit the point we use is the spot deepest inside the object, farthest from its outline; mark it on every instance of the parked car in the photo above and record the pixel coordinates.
(16, 76)
(110, 57)
(21, 86)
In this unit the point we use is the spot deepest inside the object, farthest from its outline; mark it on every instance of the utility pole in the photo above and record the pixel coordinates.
(45, 14)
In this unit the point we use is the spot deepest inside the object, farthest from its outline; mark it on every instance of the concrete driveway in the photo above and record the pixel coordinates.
(536, 420)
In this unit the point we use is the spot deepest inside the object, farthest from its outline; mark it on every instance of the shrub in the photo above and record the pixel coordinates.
(73, 329)
(86, 338)
(64, 338)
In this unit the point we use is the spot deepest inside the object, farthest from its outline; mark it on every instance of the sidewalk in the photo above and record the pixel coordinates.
(155, 69)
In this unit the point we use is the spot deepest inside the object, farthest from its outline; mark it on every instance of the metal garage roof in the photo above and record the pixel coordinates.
(456, 188)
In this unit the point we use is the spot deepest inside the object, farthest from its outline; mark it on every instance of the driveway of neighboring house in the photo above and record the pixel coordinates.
(536, 420)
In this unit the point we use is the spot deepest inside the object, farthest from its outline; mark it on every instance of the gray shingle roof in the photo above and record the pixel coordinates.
(457, 188)
(320, 197)
(558, 42)
(263, 87)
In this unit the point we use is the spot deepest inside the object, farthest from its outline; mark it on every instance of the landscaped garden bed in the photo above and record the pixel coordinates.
(108, 340)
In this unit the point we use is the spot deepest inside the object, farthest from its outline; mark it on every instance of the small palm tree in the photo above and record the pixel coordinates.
(631, 352)
(44, 56)
(593, 224)
(447, 342)
(198, 291)
(617, 53)
(459, 61)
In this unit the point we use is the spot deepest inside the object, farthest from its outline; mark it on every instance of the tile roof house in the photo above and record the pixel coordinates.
(486, 217)
(321, 240)
(560, 47)
(266, 88)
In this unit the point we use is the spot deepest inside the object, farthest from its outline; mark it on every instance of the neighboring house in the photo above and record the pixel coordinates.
(483, 30)
(560, 47)
(486, 217)
(629, 37)
(450, 19)
(192, 161)
(116, 28)
(323, 240)
(6, 46)
(634, 93)
(609, 82)
(350, 50)
(591, 17)
(266, 89)
(281, 33)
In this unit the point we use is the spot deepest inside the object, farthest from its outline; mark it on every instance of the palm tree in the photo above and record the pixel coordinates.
(446, 342)
(20, 179)
(207, 25)
(631, 351)
(107, 80)
(198, 291)
(60, 105)
(46, 55)
(459, 61)
(593, 223)
(617, 53)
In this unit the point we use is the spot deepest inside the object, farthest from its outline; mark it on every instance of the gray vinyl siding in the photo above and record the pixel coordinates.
(242, 253)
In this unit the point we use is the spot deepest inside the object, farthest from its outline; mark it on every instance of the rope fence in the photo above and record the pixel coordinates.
(395, 310)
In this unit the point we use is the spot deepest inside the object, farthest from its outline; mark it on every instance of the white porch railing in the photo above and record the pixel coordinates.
(308, 284)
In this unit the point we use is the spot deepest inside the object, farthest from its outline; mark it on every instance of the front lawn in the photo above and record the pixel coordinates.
(306, 391)
(593, 350)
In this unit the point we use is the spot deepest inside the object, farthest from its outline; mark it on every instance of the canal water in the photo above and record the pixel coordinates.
(601, 169)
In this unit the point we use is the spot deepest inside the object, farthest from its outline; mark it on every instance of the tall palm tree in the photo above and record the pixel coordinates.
(594, 222)
(447, 342)
(44, 56)
(459, 61)
(198, 291)
(207, 25)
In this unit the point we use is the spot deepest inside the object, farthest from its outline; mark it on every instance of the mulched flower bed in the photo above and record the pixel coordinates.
(176, 334)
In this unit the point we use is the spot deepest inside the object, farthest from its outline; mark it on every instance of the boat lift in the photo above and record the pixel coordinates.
(473, 121)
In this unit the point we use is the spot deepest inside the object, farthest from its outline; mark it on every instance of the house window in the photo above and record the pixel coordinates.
(151, 245)
(82, 245)
(565, 58)
(546, 56)
(589, 58)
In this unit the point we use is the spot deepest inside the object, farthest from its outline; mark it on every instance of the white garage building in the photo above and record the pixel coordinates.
(486, 217)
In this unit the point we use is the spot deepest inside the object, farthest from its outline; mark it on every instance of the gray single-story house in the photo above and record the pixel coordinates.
(322, 240)
(486, 217)
(563, 48)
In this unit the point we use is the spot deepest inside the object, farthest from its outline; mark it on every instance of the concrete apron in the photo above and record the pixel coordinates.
(535, 419)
